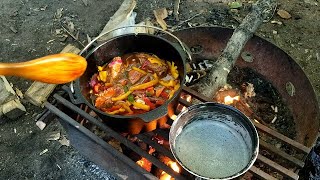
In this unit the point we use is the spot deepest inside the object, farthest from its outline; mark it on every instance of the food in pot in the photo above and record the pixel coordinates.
(134, 84)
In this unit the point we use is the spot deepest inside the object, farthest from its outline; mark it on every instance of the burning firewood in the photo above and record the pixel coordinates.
(217, 77)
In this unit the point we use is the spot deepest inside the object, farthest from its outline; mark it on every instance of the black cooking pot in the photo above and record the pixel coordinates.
(119, 46)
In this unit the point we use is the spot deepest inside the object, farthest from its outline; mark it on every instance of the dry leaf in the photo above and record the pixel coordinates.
(284, 14)
(116, 144)
(71, 26)
(59, 13)
(160, 15)
(64, 141)
(88, 38)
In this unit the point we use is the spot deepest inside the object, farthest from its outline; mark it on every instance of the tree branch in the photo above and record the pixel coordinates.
(217, 77)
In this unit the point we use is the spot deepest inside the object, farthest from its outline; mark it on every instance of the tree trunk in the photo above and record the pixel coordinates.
(217, 77)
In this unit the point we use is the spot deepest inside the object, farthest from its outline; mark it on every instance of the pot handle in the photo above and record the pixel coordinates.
(183, 46)
(73, 96)
(159, 112)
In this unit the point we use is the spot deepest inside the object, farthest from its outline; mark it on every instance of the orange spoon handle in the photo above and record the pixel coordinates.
(53, 69)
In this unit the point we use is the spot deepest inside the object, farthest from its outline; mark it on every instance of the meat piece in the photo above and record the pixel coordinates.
(153, 67)
(115, 66)
(138, 93)
(134, 76)
(103, 102)
(118, 90)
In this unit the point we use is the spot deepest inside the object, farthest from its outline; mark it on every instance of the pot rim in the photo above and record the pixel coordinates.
(255, 153)
(149, 113)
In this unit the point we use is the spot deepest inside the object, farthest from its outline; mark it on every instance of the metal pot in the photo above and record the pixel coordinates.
(214, 141)
(119, 46)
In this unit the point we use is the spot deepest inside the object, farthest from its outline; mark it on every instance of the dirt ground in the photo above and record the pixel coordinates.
(30, 29)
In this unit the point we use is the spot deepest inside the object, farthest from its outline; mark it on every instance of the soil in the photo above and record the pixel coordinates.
(31, 29)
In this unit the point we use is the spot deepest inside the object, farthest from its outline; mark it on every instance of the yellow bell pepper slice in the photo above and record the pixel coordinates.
(122, 97)
(145, 85)
(173, 70)
(156, 60)
(126, 107)
(170, 83)
(175, 88)
(103, 76)
(139, 70)
(100, 68)
(141, 106)
(117, 111)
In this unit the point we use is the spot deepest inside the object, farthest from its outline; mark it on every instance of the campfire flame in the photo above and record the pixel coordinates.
(173, 165)
(229, 100)
(145, 163)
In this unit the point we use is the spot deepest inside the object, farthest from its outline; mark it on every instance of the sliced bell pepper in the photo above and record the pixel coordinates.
(156, 60)
(150, 91)
(113, 108)
(176, 87)
(122, 96)
(126, 107)
(164, 94)
(173, 70)
(96, 88)
(117, 111)
(139, 70)
(159, 102)
(170, 83)
(103, 76)
(107, 85)
(100, 68)
(149, 103)
(159, 91)
(141, 106)
(130, 98)
(144, 85)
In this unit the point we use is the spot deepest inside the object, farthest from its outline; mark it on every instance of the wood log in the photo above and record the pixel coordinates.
(39, 92)
(122, 14)
(13, 109)
(217, 77)
(6, 91)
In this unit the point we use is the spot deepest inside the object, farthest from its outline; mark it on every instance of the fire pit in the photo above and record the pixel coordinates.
(147, 155)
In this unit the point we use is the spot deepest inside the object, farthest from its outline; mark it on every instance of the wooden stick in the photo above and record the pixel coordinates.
(217, 77)
(6, 92)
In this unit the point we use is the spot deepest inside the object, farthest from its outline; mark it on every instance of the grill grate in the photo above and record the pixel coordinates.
(289, 171)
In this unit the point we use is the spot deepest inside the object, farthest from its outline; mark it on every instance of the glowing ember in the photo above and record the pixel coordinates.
(174, 166)
(145, 164)
(229, 100)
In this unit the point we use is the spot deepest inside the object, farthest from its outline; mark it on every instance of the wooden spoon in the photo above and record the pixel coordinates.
(53, 69)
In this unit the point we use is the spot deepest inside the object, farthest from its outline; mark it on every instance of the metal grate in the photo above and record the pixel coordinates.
(288, 170)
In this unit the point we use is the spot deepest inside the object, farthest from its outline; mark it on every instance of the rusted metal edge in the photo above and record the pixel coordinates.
(275, 166)
(261, 174)
(298, 146)
(281, 153)
(98, 140)
(117, 136)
